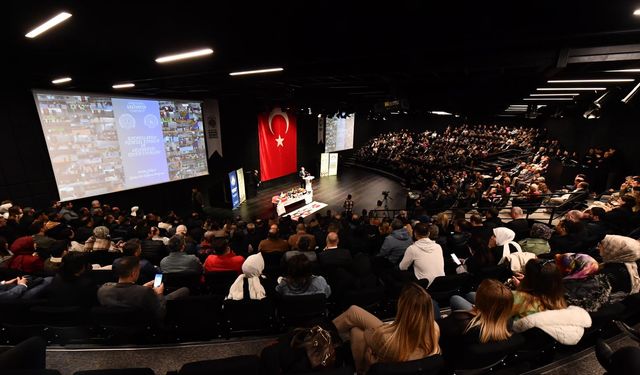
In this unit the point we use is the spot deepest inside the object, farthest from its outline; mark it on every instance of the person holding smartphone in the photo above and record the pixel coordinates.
(126, 293)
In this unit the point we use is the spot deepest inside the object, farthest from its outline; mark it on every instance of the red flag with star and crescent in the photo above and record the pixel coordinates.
(278, 144)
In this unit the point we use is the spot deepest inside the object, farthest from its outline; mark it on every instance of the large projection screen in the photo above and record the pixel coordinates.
(101, 143)
(339, 133)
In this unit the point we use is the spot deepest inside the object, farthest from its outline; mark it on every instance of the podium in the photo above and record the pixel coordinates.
(307, 185)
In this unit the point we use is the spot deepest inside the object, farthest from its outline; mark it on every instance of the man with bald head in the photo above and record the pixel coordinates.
(332, 255)
(519, 224)
(273, 243)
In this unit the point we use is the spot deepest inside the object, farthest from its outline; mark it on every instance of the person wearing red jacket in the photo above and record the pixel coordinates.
(25, 258)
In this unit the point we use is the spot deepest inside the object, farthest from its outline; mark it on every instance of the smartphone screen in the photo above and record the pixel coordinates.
(158, 280)
(455, 259)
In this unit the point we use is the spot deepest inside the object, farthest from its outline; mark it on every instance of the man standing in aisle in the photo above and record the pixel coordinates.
(348, 207)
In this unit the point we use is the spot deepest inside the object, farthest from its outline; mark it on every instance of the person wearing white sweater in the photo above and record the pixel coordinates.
(424, 254)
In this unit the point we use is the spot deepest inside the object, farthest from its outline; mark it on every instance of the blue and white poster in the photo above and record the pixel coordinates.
(233, 184)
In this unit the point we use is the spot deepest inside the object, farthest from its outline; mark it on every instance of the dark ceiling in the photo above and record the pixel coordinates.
(473, 58)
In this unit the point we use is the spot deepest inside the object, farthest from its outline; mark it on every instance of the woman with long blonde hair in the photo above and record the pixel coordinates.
(485, 321)
(412, 335)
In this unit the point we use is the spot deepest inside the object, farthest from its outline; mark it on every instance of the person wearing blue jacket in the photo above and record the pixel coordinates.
(396, 243)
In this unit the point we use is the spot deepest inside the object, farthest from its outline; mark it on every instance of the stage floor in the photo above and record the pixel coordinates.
(365, 187)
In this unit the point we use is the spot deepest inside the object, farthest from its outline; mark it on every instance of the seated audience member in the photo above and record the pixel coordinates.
(273, 243)
(303, 248)
(24, 287)
(396, 243)
(126, 293)
(147, 270)
(251, 284)
(301, 232)
(153, 247)
(41, 239)
(5, 254)
(501, 244)
(100, 240)
(57, 250)
(425, 255)
(583, 285)
(538, 240)
(413, 334)
(484, 320)
(578, 194)
(596, 228)
(478, 230)
(85, 230)
(24, 257)
(619, 256)
(332, 255)
(620, 218)
(458, 241)
(206, 247)
(300, 280)
(539, 289)
(72, 286)
(519, 224)
(568, 237)
(178, 261)
(223, 259)
(492, 218)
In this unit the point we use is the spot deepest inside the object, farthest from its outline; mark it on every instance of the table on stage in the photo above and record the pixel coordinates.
(281, 202)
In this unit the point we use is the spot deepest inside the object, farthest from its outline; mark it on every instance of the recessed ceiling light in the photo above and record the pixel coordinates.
(184, 55)
(257, 71)
(571, 89)
(557, 94)
(623, 71)
(631, 93)
(123, 85)
(590, 80)
(58, 81)
(49, 24)
(547, 99)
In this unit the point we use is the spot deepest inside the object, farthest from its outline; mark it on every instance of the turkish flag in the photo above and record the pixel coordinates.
(278, 144)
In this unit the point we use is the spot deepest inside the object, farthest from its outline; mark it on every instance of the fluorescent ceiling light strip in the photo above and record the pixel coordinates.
(631, 93)
(571, 89)
(557, 94)
(123, 85)
(257, 71)
(507, 115)
(49, 24)
(516, 110)
(61, 80)
(590, 80)
(623, 71)
(440, 113)
(184, 55)
(547, 99)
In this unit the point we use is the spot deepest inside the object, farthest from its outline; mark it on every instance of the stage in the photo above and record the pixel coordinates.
(365, 187)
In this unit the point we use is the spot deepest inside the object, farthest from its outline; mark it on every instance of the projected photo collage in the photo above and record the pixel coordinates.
(99, 144)
(183, 131)
(83, 144)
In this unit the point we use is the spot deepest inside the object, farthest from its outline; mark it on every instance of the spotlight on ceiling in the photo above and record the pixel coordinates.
(636, 12)
(595, 109)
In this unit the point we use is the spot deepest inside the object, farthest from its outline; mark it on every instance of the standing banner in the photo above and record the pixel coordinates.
(241, 191)
(324, 164)
(278, 144)
(321, 122)
(333, 164)
(212, 127)
(233, 184)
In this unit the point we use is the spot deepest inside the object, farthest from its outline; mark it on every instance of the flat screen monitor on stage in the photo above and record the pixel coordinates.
(339, 133)
(101, 144)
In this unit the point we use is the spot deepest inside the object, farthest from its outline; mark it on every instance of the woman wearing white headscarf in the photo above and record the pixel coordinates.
(619, 256)
(503, 244)
(251, 275)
